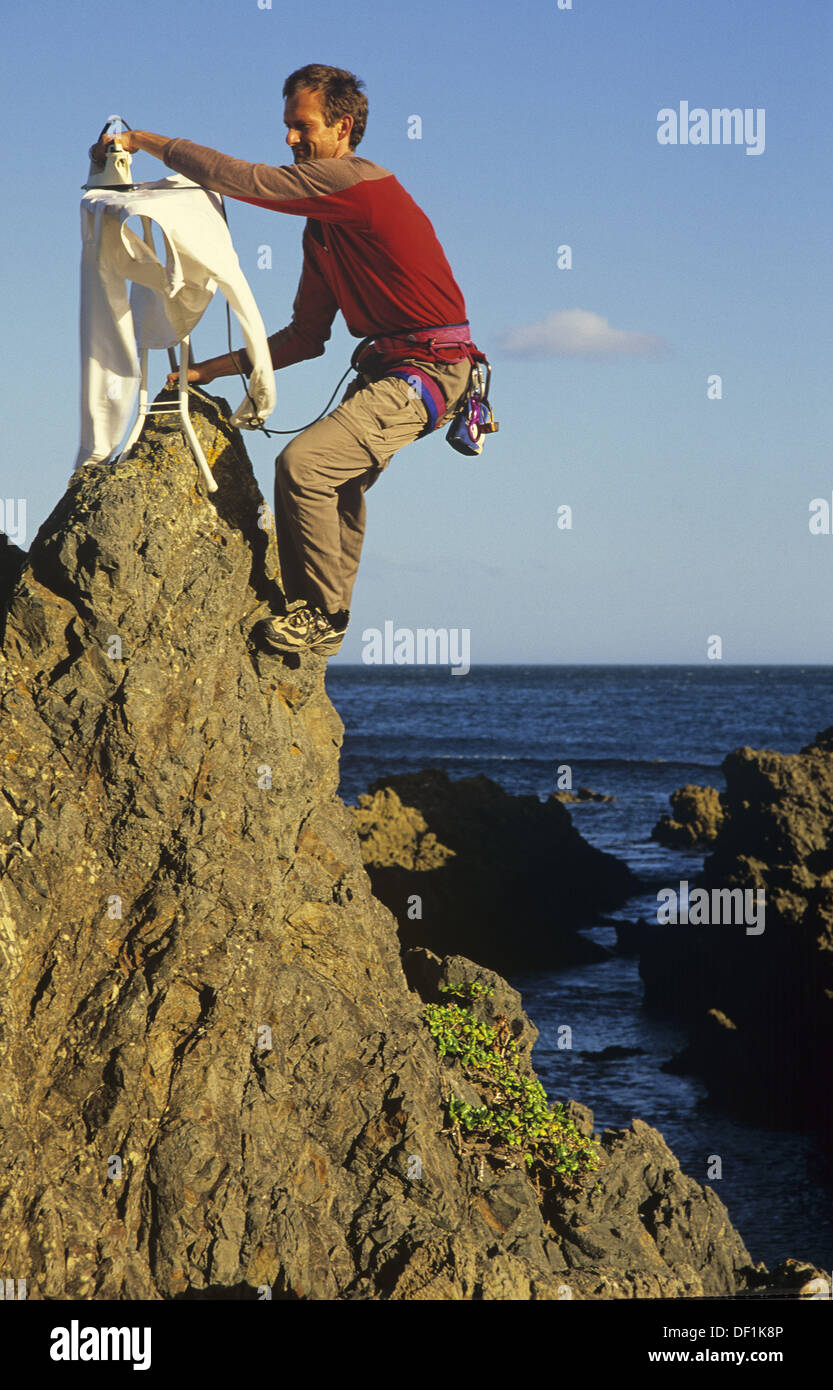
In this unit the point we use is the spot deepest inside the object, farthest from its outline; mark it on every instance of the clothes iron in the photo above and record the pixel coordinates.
(116, 170)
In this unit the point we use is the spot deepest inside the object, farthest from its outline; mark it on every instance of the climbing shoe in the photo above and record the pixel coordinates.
(304, 629)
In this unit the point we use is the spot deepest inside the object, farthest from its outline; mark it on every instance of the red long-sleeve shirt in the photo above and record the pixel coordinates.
(369, 249)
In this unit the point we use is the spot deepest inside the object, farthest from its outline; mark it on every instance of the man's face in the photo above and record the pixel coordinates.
(307, 135)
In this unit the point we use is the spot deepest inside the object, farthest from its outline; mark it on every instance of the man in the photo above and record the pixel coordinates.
(371, 252)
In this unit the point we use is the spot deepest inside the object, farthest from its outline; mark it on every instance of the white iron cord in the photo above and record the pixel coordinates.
(351, 368)
(240, 373)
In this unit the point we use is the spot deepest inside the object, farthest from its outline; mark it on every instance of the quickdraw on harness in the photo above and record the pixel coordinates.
(474, 417)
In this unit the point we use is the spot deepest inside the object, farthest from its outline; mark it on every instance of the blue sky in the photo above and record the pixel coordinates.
(690, 516)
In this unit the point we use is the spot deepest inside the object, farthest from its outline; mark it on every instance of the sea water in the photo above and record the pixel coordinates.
(636, 733)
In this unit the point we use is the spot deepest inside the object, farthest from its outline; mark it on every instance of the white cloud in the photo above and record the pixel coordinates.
(579, 333)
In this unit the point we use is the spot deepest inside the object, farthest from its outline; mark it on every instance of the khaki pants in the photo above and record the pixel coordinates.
(322, 475)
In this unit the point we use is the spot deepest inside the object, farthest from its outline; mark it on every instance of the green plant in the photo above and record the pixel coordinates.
(468, 989)
(516, 1117)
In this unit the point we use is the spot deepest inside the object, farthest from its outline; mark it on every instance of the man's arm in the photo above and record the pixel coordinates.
(321, 188)
(132, 140)
(313, 311)
(314, 307)
(201, 373)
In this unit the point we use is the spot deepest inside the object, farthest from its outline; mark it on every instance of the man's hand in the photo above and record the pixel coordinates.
(131, 141)
(199, 375)
(98, 152)
(229, 364)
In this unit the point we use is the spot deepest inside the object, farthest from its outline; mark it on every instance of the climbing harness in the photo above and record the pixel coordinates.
(474, 417)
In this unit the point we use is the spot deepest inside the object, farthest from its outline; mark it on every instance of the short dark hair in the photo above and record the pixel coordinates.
(341, 95)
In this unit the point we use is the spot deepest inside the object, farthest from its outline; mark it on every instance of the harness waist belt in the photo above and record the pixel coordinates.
(446, 335)
(426, 343)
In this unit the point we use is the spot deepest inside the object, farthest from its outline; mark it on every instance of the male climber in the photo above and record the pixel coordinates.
(371, 252)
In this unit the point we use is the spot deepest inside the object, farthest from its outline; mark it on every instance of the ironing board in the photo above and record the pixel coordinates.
(147, 407)
(168, 295)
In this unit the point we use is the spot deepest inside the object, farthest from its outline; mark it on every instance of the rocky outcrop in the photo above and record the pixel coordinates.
(468, 869)
(640, 1228)
(12, 560)
(648, 1231)
(427, 974)
(697, 815)
(581, 794)
(214, 1073)
(215, 1078)
(761, 1005)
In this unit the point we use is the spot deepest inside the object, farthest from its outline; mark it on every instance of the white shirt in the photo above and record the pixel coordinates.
(166, 300)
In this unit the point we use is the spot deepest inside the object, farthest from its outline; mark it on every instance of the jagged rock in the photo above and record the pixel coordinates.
(12, 560)
(776, 988)
(428, 974)
(498, 878)
(582, 794)
(696, 819)
(715, 1046)
(805, 1280)
(630, 936)
(640, 1228)
(214, 1072)
(215, 1077)
(677, 1234)
(396, 836)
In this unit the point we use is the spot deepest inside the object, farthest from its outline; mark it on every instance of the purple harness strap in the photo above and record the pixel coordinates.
(427, 390)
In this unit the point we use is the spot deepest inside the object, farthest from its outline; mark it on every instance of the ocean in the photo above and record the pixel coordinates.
(636, 733)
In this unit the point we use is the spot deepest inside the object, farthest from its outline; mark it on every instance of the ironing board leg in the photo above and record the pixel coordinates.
(184, 357)
(184, 363)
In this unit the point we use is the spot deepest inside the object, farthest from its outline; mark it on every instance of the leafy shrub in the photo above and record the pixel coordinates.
(517, 1119)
